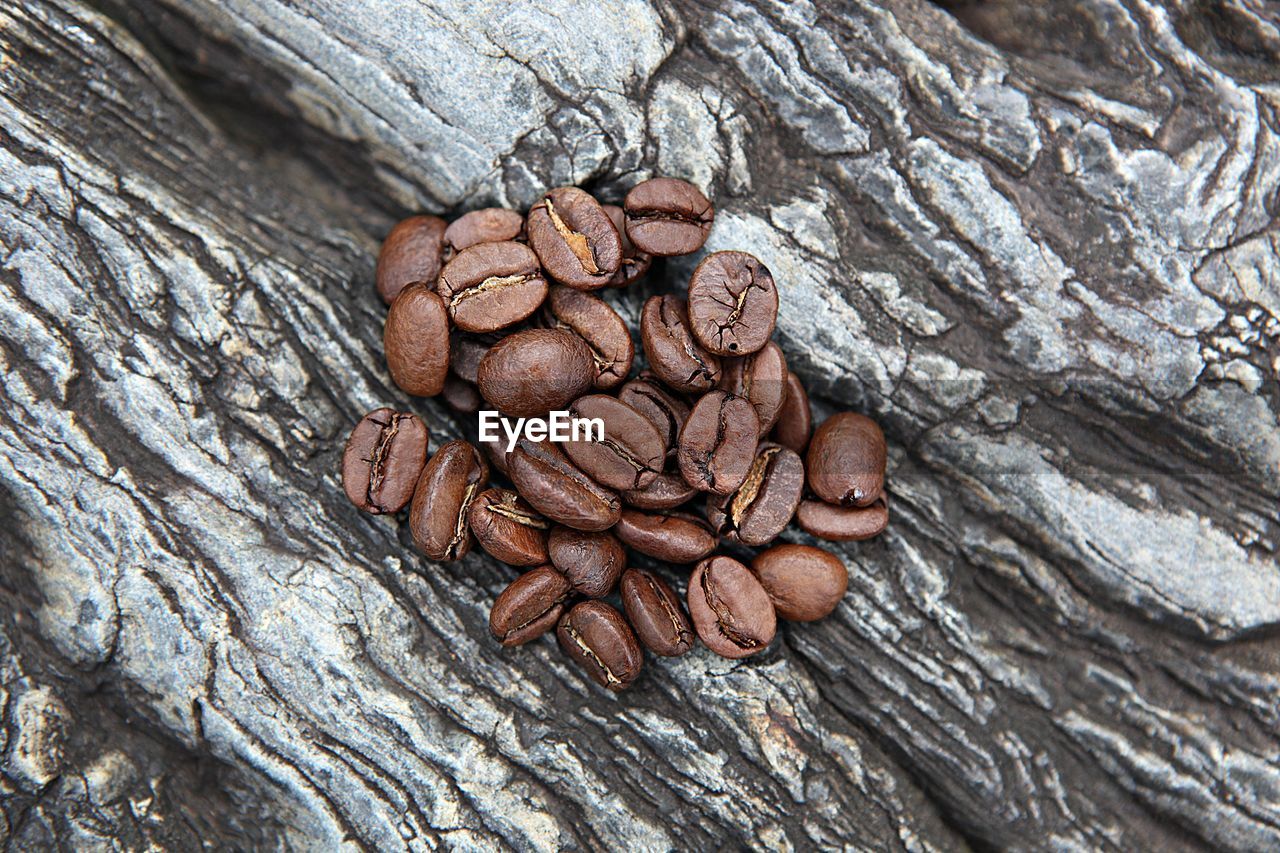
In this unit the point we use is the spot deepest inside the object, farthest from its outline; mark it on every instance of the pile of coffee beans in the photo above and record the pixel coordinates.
(708, 453)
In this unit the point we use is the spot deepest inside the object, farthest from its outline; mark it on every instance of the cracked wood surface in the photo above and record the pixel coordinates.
(1037, 241)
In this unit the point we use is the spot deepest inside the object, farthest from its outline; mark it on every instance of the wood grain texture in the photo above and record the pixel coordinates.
(1037, 241)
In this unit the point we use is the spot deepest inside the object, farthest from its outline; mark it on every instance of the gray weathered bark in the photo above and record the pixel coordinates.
(1038, 241)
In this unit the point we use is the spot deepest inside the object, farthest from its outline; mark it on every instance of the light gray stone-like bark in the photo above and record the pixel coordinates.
(1039, 244)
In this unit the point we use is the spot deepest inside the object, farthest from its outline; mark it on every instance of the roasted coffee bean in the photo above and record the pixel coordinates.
(804, 583)
(592, 561)
(461, 396)
(491, 286)
(410, 253)
(667, 491)
(629, 455)
(536, 370)
(465, 353)
(489, 225)
(508, 529)
(416, 341)
(846, 460)
(760, 377)
(843, 524)
(795, 420)
(668, 216)
(763, 505)
(655, 613)
(676, 537)
(635, 263)
(599, 640)
(574, 238)
(731, 611)
(495, 450)
(558, 489)
(529, 607)
(600, 328)
(450, 482)
(733, 303)
(382, 461)
(674, 356)
(718, 443)
(660, 407)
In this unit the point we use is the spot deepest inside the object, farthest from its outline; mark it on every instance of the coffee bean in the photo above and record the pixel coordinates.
(718, 443)
(760, 377)
(731, 611)
(529, 607)
(634, 262)
(795, 420)
(465, 353)
(660, 407)
(674, 356)
(667, 491)
(508, 529)
(629, 455)
(675, 537)
(804, 583)
(382, 460)
(410, 253)
(597, 637)
(491, 286)
(555, 487)
(574, 238)
(846, 460)
(843, 524)
(592, 561)
(449, 484)
(461, 396)
(668, 216)
(495, 450)
(655, 613)
(733, 303)
(416, 341)
(763, 505)
(536, 370)
(489, 225)
(600, 328)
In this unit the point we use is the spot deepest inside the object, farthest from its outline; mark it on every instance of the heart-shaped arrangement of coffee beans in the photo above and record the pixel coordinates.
(712, 443)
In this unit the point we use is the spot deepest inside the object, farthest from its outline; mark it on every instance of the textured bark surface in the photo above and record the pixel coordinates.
(1037, 240)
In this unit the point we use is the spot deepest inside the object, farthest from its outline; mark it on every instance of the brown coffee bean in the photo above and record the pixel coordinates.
(634, 262)
(760, 377)
(529, 607)
(555, 487)
(449, 484)
(465, 353)
(668, 216)
(495, 450)
(758, 510)
(598, 639)
(846, 460)
(667, 491)
(601, 329)
(731, 611)
(655, 613)
(508, 529)
(592, 561)
(675, 537)
(795, 420)
(660, 407)
(416, 341)
(843, 524)
(733, 303)
(536, 370)
(491, 286)
(674, 355)
(461, 396)
(489, 225)
(718, 443)
(804, 583)
(382, 460)
(574, 238)
(410, 253)
(629, 455)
